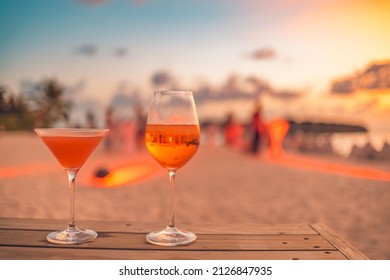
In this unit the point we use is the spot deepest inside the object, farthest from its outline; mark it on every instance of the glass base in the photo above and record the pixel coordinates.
(75, 236)
(171, 236)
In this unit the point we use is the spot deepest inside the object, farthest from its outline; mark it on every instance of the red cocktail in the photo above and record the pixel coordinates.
(71, 147)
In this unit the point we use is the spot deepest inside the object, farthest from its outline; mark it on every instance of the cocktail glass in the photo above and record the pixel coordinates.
(71, 147)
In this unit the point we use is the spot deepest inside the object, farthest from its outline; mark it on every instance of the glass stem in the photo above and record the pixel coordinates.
(171, 222)
(72, 184)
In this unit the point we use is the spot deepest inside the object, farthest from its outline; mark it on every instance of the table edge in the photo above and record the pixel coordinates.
(350, 251)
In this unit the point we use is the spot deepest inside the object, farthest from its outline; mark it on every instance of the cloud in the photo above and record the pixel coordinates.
(367, 106)
(234, 87)
(259, 86)
(162, 78)
(375, 76)
(263, 54)
(287, 94)
(88, 50)
(344, 86)
(252, 87)
(91, 50)
(139, 2)
(120, 52)
(93, 2)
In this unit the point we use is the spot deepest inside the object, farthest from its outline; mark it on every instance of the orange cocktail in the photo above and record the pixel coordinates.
(71, 147)
(172, 137)
(71, 151)
(172, 146)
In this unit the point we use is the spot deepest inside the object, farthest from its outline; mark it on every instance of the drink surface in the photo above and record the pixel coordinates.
(172, 146)
(71, 151)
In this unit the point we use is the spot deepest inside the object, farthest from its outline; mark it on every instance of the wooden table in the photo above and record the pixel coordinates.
(24, 239)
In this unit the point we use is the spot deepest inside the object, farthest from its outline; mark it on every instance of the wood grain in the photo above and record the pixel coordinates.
(26, 239)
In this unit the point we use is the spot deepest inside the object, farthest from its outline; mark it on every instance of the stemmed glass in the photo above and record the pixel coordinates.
(172, 137)
(71, 147)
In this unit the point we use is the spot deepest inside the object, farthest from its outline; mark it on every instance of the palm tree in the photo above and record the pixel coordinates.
(14, 113)
(48, 103)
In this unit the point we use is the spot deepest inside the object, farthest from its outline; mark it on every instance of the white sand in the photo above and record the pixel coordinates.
(218, 186)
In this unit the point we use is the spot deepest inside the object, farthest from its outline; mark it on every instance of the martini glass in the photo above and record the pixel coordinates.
(172, 137)
(71, 147)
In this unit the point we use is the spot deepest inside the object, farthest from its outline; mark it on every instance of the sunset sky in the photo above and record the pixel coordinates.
(103, 51)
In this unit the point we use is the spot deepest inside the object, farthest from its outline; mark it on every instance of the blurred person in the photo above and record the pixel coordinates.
(276, 131)
(91, 120)
(212, 131)
(111, 137)
(257, 128)
(128, 135)
(229, 133)
(140, 123)
(233, 132)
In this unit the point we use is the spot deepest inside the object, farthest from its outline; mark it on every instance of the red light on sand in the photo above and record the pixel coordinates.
(123, 175)
(23, 170)
(277, 130)
(302, 162)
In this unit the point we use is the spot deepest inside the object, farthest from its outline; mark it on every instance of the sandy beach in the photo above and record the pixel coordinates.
(218, 186)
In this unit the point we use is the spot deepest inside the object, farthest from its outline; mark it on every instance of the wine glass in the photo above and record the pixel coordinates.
(172, 137)
(71, 147)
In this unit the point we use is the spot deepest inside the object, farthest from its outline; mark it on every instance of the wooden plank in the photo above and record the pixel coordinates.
(117, 226)
(26, 239)
(343, 246)
(137, 241)
(23, 253)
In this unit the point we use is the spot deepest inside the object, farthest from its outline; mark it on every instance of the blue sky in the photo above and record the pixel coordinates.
(102, 49)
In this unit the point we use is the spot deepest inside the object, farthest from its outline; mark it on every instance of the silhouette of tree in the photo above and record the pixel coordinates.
(14, 113)
(3, 103)
(40, 105)
(48, 103)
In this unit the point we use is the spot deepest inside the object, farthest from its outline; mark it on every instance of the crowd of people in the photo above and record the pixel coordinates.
(251, 136)
(254, 136)
(125, 135)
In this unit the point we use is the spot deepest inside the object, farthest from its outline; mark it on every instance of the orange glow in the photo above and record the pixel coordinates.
(31, 169)
(71, 151)
(172, 146)
(360, 16)
(117, 177)
(277, 130)
(384, 102)
(124, 175)
(311, 164)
